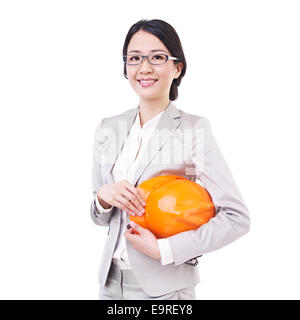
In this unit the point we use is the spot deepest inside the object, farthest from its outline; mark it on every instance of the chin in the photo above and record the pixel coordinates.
(146, 95)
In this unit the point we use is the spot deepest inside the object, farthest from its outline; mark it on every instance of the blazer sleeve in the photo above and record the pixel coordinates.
(232, 218)
(98, 217)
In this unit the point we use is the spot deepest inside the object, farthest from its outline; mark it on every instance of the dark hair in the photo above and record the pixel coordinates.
(166, 34)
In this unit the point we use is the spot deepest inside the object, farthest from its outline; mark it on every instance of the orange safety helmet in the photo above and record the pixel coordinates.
(173, 204)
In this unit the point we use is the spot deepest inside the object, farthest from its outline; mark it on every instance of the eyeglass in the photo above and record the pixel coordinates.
(154, 59)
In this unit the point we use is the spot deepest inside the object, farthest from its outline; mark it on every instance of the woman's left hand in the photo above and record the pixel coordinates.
(144, 242)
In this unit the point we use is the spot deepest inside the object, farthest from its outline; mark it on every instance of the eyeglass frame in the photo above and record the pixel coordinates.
(147, 57)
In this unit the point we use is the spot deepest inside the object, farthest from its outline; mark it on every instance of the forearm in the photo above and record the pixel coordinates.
(226, 227)
(100, 215)
(101, 204)
(232, 217)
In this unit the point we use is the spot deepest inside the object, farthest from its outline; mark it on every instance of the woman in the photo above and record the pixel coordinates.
(156, 139)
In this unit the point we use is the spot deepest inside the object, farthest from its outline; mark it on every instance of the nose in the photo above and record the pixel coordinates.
(145, 66)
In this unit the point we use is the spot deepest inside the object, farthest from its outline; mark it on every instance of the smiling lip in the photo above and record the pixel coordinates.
(146, 82)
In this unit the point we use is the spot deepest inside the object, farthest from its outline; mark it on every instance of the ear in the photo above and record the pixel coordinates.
(179, 67)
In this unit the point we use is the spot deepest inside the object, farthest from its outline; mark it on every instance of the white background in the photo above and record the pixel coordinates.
(56, 84)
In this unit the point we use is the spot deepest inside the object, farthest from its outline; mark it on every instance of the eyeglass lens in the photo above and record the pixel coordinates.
(153, 59)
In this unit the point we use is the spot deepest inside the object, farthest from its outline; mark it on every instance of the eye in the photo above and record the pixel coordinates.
(134, 58)
(158, 57)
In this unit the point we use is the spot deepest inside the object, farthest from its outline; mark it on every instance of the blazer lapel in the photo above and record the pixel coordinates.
(169, 122)
(121, 130)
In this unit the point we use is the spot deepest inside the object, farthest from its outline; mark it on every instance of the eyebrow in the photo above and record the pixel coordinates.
(155, 50)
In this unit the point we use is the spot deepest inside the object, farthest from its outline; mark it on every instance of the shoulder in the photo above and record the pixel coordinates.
(193, 121)
(107, 122)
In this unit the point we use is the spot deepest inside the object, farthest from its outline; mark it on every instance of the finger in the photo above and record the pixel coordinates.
(130, 236)
(136, 227)
(119, 204)
(130, 229)
(133, 202)
(126, 202)
(128, 199)
(127, 235)
(136, 193)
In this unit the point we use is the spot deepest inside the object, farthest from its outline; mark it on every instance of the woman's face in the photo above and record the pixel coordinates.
(159, 77)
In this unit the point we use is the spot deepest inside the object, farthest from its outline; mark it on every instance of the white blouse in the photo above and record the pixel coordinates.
(124, 169)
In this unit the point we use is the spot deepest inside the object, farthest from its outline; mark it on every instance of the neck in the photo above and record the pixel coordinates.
(150, 108)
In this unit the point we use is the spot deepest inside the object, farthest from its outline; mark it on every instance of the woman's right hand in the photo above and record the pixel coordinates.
(123, 195)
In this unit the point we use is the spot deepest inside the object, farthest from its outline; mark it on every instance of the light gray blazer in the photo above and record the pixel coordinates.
(183, 145)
